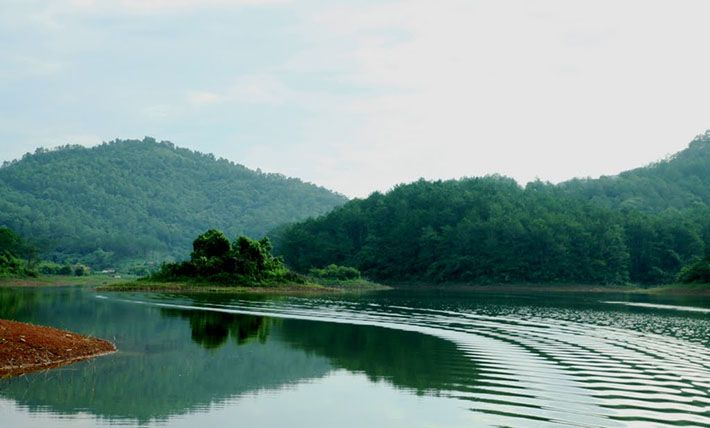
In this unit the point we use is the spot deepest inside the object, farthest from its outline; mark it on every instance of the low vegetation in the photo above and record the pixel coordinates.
(697, 272)
(335, 272)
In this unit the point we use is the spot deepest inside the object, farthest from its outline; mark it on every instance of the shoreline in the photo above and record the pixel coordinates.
(27, 348)
(109, 283)
(60, 280)
(697, 290)
(285, 290)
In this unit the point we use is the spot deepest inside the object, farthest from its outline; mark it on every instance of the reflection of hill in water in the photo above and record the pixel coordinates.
(406, 359)
(159, 371)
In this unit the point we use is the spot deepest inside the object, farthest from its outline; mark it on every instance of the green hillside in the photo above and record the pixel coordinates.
(143, 199)
(642, 226)
(681, 181)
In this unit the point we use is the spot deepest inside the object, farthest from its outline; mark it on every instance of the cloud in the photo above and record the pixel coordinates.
(246, 89)
(554, 89)
(159, 111)
(360, 96)
(22, 66)
(258, 89)
(203, 98)
(162, 6)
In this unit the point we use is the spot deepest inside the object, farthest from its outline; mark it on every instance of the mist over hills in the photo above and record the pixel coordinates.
(143, 199)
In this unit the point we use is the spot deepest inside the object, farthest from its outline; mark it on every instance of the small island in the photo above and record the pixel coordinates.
(26, 348)
(243, 266)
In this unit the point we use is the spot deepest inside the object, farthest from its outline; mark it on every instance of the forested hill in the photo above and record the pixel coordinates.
(681, 181)
(138, 199)
(643, 226)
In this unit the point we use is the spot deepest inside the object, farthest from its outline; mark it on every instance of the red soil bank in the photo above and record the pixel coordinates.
(26, 348)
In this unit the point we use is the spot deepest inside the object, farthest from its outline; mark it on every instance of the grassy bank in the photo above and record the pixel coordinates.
(314, 286)
(677, 289)
(111, 283)
(281, 289)
(59, 280)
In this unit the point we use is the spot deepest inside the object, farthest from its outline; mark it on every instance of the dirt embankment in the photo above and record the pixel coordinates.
(26, 348)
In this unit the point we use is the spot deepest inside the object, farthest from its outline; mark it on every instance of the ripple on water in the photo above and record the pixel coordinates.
(556, 368)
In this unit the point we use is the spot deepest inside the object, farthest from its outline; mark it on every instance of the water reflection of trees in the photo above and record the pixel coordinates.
(406, 359)
(409, 360)
(16, 303)
(212, 329)
(158, 371)
(237, 354)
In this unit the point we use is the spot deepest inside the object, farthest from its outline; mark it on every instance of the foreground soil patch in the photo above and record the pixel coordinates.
(26, 348)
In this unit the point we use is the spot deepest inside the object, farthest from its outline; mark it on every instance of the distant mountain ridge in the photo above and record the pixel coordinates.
(139, 198)
(680, 181)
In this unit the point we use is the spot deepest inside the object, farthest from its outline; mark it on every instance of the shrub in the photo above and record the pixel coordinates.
(333, 271)
(696, 272)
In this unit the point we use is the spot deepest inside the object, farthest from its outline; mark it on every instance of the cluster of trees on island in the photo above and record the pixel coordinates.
(242, 262)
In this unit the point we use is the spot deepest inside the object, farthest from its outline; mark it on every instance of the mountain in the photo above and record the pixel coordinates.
(642, 226)
(681, 181)
(143, 199)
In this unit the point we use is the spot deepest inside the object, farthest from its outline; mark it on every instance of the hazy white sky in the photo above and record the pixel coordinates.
(361, 95)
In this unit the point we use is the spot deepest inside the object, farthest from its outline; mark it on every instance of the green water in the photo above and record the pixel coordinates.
(388, 359)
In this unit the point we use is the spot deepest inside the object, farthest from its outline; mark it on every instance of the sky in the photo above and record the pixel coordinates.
(361, 95)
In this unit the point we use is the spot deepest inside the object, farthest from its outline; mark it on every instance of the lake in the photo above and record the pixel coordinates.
(389, 359)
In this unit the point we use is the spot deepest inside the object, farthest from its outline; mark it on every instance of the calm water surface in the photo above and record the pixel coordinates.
(390, 359)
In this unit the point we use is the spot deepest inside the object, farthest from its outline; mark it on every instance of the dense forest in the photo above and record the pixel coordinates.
(143, 200)
(641, 226)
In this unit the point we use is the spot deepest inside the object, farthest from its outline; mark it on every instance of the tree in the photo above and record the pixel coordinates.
(210, 244)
